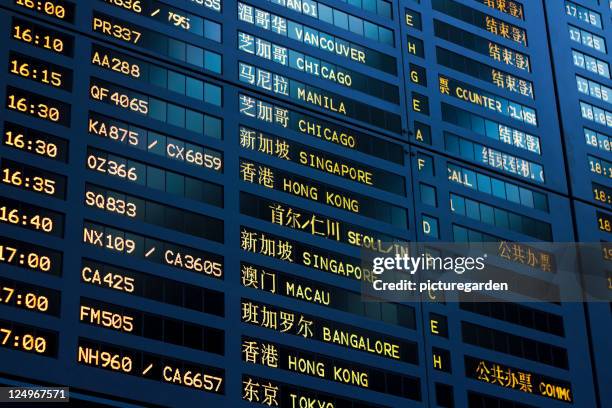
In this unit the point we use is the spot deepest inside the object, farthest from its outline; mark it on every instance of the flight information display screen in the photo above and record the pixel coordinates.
(188, 189)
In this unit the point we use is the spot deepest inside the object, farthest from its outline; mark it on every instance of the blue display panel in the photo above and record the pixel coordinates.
(187, 188)
(156, 146)
(457, 201)
(581, 58)
(582, 63)
(484, 76)
(482, 106)
(599, 313)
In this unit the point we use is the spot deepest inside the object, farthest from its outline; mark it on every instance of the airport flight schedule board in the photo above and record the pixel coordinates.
(186, 188)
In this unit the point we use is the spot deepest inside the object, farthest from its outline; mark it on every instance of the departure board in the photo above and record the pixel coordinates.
(188, 189)
(478, 90)
(584, 62)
